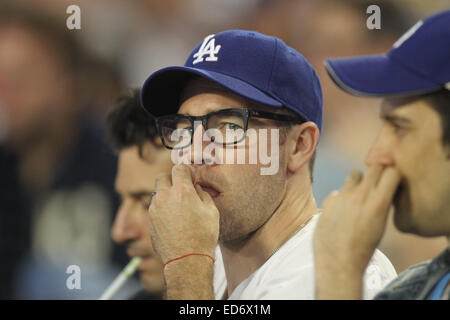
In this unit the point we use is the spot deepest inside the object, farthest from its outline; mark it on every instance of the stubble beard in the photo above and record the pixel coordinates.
(403, 217)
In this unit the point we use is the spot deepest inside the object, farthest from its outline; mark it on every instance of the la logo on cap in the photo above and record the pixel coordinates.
(209, 48)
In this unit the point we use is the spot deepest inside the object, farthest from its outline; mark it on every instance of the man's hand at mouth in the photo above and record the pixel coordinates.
(349, 230)
(184, 220)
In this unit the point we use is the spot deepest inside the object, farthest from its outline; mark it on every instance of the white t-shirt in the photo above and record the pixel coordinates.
(289, 273)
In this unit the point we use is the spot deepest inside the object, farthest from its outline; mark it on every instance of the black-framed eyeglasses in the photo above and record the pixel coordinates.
(225, 127)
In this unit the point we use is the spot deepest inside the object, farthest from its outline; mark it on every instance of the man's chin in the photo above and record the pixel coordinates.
(404, 219)
(402, 224)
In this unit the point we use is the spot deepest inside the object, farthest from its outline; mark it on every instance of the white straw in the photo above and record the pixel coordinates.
(123, 276)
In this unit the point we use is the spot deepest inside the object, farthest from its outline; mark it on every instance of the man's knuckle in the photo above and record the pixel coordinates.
(355, 175)
(179, 168)
(378, 204)
(160, 177)
(359, 198)
(160, 198)
(152, 210)
(183, 188)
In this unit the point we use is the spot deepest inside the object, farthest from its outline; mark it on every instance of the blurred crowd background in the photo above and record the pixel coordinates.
(57, 171)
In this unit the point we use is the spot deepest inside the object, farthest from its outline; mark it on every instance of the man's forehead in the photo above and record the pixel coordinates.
(135, 173)
(199, 86)
(403, 106)
(202, 84)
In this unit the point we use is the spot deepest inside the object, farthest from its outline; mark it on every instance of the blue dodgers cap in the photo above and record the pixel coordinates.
(258, 67)
(419, 62)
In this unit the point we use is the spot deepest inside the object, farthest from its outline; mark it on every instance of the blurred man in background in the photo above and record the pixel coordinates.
(57, 198)
(407, 167)
(142, 157)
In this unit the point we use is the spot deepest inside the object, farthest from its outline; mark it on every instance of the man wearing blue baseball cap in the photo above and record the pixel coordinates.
(230, 229)
(407, 167)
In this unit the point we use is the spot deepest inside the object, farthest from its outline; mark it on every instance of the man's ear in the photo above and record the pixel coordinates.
(301, 143)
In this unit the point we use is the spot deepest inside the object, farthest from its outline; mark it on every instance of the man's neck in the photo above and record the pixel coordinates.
(242, 258)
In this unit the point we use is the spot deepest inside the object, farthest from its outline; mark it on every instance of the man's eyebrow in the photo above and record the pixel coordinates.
(135, 194)
(395, 118)
(210, 110)
(140, 193)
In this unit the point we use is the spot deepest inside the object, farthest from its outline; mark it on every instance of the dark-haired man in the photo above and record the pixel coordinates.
(141, 158)
(408, 167)
(256, 225)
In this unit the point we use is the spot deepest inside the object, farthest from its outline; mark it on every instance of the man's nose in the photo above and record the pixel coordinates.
(124, 227)
(381, 152)
(198, 146)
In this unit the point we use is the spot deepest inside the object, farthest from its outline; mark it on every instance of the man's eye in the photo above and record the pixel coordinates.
(230, 126)
(398, 128)
(188, 129)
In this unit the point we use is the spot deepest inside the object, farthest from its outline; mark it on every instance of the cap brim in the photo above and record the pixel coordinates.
(377, 76)
(160, 94)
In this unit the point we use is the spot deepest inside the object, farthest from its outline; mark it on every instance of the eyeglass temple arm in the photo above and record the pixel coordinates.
(274, 116)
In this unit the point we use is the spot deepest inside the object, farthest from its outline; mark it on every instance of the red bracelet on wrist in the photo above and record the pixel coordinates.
(187, 255)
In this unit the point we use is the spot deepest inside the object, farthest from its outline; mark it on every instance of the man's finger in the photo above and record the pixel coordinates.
(181, 174)
(163, 181)
(329, 200)
(353, 179)
(371, 178)
(204, 196)
(388, 184)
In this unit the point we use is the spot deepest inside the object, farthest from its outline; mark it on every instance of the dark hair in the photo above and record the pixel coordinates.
(129, 125)
(440, 102)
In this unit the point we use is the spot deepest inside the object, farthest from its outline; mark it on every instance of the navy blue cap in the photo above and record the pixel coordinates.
(419, 62)
(252, 65)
